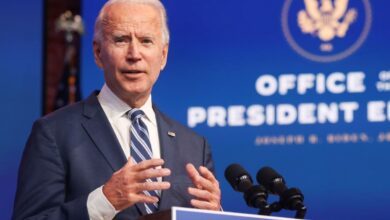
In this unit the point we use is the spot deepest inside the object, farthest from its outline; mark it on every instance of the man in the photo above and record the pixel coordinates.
(115, 155)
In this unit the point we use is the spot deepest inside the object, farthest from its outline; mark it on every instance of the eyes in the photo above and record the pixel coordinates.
(124, 40)
(120, 39)
(147, 40)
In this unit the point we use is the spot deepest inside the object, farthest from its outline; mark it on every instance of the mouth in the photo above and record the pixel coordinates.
(132, 71)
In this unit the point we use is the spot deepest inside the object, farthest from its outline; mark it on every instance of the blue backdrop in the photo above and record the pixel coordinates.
(331, 140)
(20, 90)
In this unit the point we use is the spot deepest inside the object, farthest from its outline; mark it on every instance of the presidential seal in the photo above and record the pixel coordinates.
(326, 30)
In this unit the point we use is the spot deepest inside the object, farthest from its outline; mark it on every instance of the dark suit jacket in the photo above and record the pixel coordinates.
(73, 151)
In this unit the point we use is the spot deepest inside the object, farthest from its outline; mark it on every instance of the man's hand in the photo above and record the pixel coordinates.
(206, 190)
(125, 186)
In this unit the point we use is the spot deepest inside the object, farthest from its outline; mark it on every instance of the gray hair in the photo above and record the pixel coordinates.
(98, 33)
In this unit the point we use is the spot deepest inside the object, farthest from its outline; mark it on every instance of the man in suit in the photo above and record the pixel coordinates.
(80, 161)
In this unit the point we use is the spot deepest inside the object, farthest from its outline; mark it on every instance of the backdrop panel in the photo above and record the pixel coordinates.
(300, 87)
(20, 90)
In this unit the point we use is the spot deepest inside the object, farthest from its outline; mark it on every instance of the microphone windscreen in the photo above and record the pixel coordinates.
(267, 176)
(238, 177)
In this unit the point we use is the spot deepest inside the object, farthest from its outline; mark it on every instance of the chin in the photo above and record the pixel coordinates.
(137, 91)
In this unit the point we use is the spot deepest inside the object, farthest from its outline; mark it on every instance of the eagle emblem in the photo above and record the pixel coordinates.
(327, 20)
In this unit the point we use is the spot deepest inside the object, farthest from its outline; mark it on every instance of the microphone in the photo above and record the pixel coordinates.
(271, 180)
(238, 177)
(290, 198)
(241, 181)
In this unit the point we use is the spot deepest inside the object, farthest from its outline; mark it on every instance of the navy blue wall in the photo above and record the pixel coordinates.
(20, 88)
(218, 51)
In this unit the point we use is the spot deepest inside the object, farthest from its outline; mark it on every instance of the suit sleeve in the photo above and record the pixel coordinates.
(41, 189)
(207, 158)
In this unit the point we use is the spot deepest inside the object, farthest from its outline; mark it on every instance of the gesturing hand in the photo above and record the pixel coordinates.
(206, 191)
(125, 186)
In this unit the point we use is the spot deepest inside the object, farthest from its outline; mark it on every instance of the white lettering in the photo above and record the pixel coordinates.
(270, 114)
(376, 111)
(216, 116)
(286, 82)
(355, 82)
(349, 108)
(305, 82)
(307, 113)
(266, 85)
(196, 115)
(328, 113)
(333, 85)
(286, 114)
(320, 83)
(236, 115)
(255, 115)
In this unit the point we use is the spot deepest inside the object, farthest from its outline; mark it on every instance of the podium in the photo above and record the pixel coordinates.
(179, 213)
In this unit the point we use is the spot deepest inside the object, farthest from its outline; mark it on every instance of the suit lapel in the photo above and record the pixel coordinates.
(102, 134)
(167, 146)
(99, 129)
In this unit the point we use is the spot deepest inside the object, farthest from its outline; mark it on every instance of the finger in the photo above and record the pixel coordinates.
(129, 163)
(141, 197)
(206, 173)
(147, 164)
(152, 173)
(201, 194)
(203, 183)
(126, 200)
(150, 186)
(204, 205)
(191, 170)
(193, 174)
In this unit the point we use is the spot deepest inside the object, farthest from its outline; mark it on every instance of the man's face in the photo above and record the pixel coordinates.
(131, 51)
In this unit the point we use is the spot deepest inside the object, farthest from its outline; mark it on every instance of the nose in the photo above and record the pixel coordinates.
(133, 52)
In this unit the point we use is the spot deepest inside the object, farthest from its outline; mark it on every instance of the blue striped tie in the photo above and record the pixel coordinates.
(141, 149)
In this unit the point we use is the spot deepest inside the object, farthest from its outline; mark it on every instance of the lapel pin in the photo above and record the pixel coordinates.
(172, 134)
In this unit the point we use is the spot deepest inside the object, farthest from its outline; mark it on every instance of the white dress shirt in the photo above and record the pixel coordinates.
(116, 111)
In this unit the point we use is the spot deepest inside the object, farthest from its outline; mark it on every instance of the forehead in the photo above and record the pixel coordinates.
(132, 17)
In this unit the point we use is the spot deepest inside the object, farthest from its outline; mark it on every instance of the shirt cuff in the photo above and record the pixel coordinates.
(99, 208)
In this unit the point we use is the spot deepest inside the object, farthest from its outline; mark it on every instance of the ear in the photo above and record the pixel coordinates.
(97, 54)
(164, 56)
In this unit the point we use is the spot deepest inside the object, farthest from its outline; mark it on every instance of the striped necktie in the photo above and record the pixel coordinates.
(141, 149)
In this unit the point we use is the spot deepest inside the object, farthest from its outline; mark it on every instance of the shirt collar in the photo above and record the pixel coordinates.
(116, 108)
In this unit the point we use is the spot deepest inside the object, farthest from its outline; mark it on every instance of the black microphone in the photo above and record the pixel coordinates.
(241, 181)
(290, 198)
(238, 178)
(271, 180)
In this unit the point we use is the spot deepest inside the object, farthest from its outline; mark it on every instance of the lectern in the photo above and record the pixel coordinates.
(179, 213)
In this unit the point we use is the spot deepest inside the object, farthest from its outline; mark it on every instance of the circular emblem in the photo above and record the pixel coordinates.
(326, 30)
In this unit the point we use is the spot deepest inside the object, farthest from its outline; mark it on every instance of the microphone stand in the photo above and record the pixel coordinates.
(291, 199)
(256, 197)
(300, 214)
